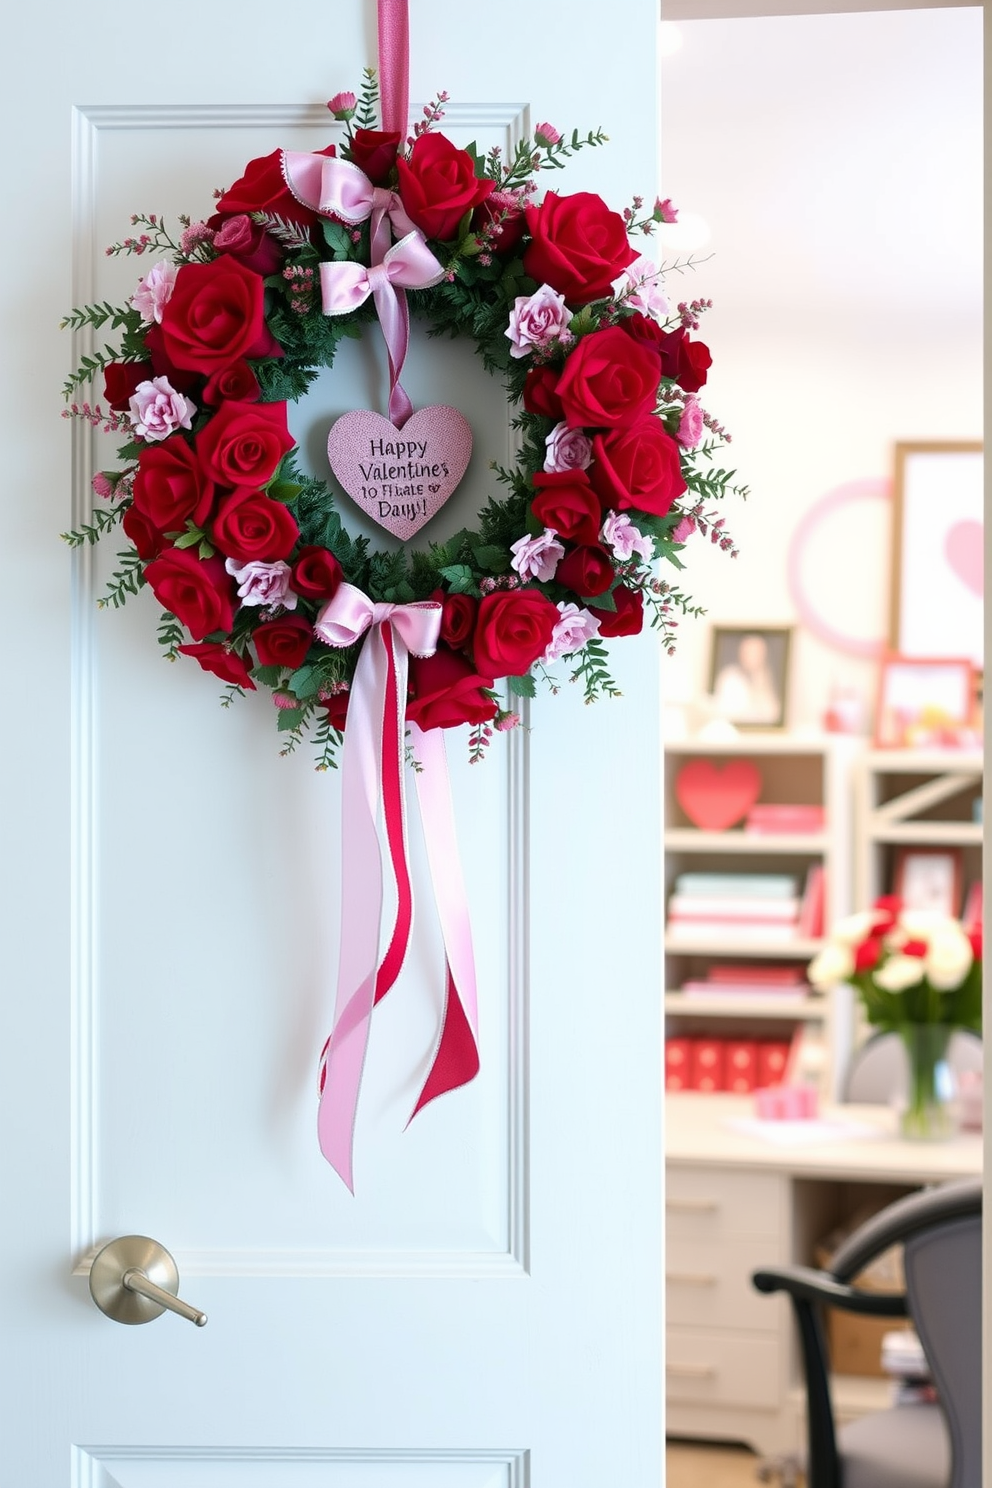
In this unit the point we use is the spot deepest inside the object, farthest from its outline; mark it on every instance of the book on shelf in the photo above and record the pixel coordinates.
(759, 932)
(772, 817)
(813, 906)
(753, 979)
(737, 885)
(730, 908)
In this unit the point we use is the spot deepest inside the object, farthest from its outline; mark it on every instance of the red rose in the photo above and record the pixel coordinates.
(608, 380)
(503, 213)
(182, 378)
(198, 591)
(446, 691)
(214, 316)
(642, 328)
(172, 485)
(263, 188)
(683, 359)
(227, 665)
(146, 537)
(248, 242)
(283, 642)
(637, 466)
(458, 614)
(250, 525)
(514, 627)
(578, 245)
(337, 710)
(626, 619)
(236, 384)
(374, 152)
(120, 380)
(316, 573)
(567, 503)
(244, 442)
(438, 185)
(541, 392)
(867, 954)
(586, 570)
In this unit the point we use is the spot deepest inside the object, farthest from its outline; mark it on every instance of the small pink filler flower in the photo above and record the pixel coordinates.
(547, 135)
(343, 105)
(157, 410)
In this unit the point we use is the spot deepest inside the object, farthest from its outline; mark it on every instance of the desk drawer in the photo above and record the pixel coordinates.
(723, 1369)
(708, 1284)
(709, 1203)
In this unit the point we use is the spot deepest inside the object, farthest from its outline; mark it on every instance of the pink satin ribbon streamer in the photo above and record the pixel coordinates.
(409, 264)
(372, 773)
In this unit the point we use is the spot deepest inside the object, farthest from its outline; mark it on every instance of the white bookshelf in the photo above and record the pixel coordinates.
(795, 769)
(915, 797)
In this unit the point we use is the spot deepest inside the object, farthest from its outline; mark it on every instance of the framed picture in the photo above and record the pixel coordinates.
(749, 674)
(929, 878)
(937, 541)
(926, 702)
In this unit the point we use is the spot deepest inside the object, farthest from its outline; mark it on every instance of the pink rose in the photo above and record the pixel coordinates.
(537, 557)
(154, 291)
(575, 626)
(620, 534)
(690, 430)
(157, 410)
(640, 288)
(568, 449)
(263, 583)
(537, 319)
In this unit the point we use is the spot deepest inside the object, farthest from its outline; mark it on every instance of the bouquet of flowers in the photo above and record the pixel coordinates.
(910, 966)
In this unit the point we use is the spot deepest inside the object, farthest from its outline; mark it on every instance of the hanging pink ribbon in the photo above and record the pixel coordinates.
(372, 771)
(394, 65)
(344, 285)
(337, 188)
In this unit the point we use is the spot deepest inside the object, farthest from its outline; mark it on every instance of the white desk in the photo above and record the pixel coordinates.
(736, 1201)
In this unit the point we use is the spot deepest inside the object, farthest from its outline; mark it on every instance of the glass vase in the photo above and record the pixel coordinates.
(928, 1114)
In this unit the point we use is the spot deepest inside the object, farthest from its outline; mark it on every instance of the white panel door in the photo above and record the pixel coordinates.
(485, 1313)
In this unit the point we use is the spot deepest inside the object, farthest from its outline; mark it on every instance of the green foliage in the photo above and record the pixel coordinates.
(367, 109)
(593, 672)
(126, 580)
(101, 522)
(524, 686)
(89, 368)
(170, 635)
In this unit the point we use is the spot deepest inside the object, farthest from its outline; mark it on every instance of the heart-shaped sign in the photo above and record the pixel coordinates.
(715, 798)
(964, 546)
(400, 477)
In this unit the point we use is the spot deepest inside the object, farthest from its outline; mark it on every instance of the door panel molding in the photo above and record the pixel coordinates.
(88, 124)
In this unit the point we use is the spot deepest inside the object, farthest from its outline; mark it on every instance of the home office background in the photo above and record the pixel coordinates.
(824, 726)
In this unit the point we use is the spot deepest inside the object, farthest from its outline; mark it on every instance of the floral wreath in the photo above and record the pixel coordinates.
(245, 553)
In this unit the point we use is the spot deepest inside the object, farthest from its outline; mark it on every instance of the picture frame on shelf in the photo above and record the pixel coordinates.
(937, 516)
(925, 702)
(930, 878)
(749, 675)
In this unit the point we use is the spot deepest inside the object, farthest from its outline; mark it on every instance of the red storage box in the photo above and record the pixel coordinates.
(740, 1069)
(706, 1064)
(677, 1061)
(773, 1056)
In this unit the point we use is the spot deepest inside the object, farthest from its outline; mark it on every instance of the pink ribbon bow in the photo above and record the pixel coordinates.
(409, 264)
(338, 188)
(372, 773)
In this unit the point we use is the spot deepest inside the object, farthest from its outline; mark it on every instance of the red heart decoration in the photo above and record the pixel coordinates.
(715, 798)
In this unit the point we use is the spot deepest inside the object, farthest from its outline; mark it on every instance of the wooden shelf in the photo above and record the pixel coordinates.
(692, 839)
(924, 761)
(739, 1005)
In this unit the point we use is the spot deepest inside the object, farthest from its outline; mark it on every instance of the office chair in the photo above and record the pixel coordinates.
(877, 1072)
(908, 1446)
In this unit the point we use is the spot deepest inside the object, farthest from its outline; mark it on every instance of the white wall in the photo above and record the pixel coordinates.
(837, 162)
